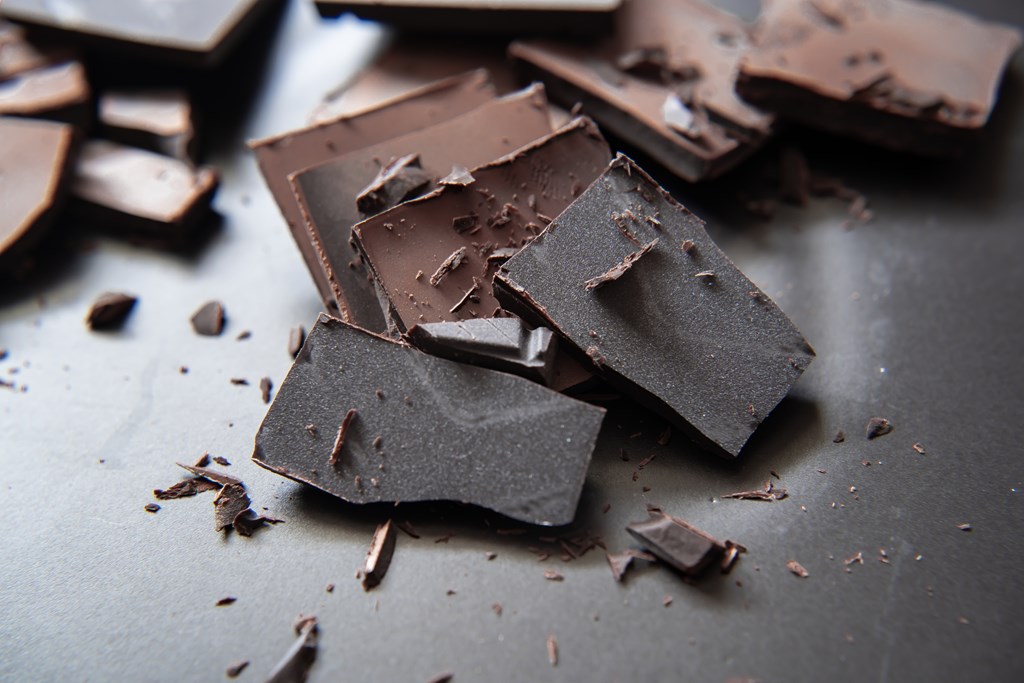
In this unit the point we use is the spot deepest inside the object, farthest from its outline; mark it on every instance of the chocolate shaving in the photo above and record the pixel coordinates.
(839, 437)
(501, 254)
(223, 602)
(378, 558)
(619, 269)
(247, 522)
(296, 338)
(453, 261)
(221, 460)
(339, 440)
(466, 297)
(236, 668)
(186, 489)
(459, 177)
(768, 493)
(552, 650)
(461, 224)
(400, 179)
(110, 310)
(231, 501)
(442, 677)
(265, 386)
(620, 562)
(212, 475)
(202, 461)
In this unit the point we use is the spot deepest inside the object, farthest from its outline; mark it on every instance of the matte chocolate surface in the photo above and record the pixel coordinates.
(145, 195)
(909, 75)
(683, 330)
(60, 92)
(35, 159)
(157, 120)
(510, 201)
(327, 193)
(663, 82)
(505, 344)
(350, 296)
(427, 429)
(680, 545)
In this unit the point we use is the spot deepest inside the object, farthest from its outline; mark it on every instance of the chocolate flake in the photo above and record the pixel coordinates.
(221, 460)
(152, 507)
(467, 296)
(212, 475)
(339, 440)
(239, 381)
(497, 608)
(552, 575)
(677, 543)
(296, 338)
(110, 310)
(797, 569)
(666, 601)
(265, 386)
(619, 269)
(964, 527)
(400, 179)
(243, 335)
(185, 489)
(247, 522)
(876, 427)
(857, 558)
(202, 461)
(295, 665)
(209, 319)
(768, 493)
(919, 449)
(459, 176)
(453, 261)
(236, 668)
(230, 501)
(552, 650)
(839, 437)
(442, 677)
(224, 602)
(465, 223)
(378, 558)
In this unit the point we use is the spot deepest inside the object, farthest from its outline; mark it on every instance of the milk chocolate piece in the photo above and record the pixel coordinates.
(212, 475)
(378, 557)
(680, 545)
(59, 92)
(449, 431)
(398, 180)
(327, 193)
(505, 344)
(350, 296)
(903, 74)
(110, 310)
(663, 82)
(35, 160)
(685, 333)
(512, 199)
(139, 194)
(157, 120)
(208, 320)
(190, 32)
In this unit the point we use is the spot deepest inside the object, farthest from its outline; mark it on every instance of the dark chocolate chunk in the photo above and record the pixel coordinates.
(230, 501)
(151, 507)
(212, 475)
(398, 180)
(295, 665)
(678, 544)
(236, 668)
(58, 91)
(699, 350)
(421, 235)
(265, 386)
(339, 439)
(876, 427)
(378, 557)
(247, 522)
(465, 433)
(157, 120)
(663, 82)
(908, 75)
(110, 310)
(186, 488)
(326, 193)
(505, 344)
(208, 320)
(296, 338)
(35, 157)
(221, 460)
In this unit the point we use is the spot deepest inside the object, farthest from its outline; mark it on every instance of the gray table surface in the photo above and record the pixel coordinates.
(915, 317)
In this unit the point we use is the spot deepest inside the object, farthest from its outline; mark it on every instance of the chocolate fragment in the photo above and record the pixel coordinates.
(620, 562)
(876, 427)
(339, 439)
(680, 545)
(908, 75)
(265, 386)
(223, 602)
(453, 261)
(248, 521)
(840, 437)
(442, 677)
(459, 177)
(296, 338)
(768, 493)
(157, 120)
(797, 569)
(57, 91)
(239, 381)
(208, 320)
(398, 180)
(466, 433)
(619, 269)
(236, 668)
(230, 501)
(221, 460)
(717, 361)
(378, 558)
(295, 665)
(110, 310)
(186, 488)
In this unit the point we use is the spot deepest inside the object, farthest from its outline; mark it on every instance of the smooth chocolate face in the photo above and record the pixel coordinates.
(509, 202)
(425, 428)
(327, 193)
(681, 546)
(663, 82)
(682, 330)
(157, 120)
(351, 296)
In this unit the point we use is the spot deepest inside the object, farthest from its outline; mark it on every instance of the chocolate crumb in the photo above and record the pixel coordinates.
(964, 527)
(552, 575)
(497, 608)
(110, 310)
(329, 588)
(919, 449)
(224, 602)
(839, 437)
(490, 555)
(152, 507)
(797, 569)
(876, 427)
(296, 338)
(236, 668)
(265, 386)
(240, 381)
(552, 650)
(242, 336)
(666, 601)
(221, 460)
(442, 677)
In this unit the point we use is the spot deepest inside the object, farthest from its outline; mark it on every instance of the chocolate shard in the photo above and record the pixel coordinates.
(294, 667)
(464, 433)
(212, 475)
(59, 92)
(620, 562)
(680, 545)
(235, 669)
(797, 569)
(505, 344)
(109, 310)
(157, 120)
(914, 76)
(453, 261)
(231, 501)
(876, 427)
(378, 557)
(248, 521)
(186, 488)
(266, 385)
(619, 269)
(296, 338)
(713, 359)
(459, 177)
(398, 180)
(664, 82)
(208, 320)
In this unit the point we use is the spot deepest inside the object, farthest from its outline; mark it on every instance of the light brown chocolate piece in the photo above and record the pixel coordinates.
(157, 120)
(60, 92)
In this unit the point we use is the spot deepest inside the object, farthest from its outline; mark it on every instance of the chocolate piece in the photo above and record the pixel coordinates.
(663, 83)
(378, 557)
(59, 92)
(265, 386)
(421, 233)
(552, 645)
(239, 381)
(620, 562)
(247, 522)
(398, 180)
(339, 439)
(223, 602)
(157, 120)
(581, 18)
(442, 677)
(192, 32)
(797, 569)
(768, 493)
(295, 665)
(212, 475)
(619, 269)
(186, 488)
(327, 193)
(236, 668)
(282, 155)
(221, 460)
(35, 157)
(145, 195)
(876, 427)
(296, 338)
(713, 355)
(208, 320)
(505, 344)
(229, 503)
(110, 310)
(908, 75)
(678, 544)
(465, 433)
(151, 507)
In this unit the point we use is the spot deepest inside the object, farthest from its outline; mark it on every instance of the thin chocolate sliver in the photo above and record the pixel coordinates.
(296, 338)
(398, 180)
(680, 545)
(299, 659)
(212, 475)
(378, 557)
(229, 503)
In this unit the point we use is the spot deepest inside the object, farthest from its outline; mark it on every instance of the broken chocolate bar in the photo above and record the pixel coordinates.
(378, 557)
(327, 193)
(59, 92)
(110, 310)
(904, 74)
(452, 231)
(682, 331)
(663, 83)
(505, 344)
(680, 545)
(157, 120)
(428, 429)
(347, 293)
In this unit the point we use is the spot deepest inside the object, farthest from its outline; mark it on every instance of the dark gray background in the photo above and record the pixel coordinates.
(915, 317)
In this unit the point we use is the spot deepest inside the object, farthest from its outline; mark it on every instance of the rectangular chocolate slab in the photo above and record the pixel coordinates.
(663, 83)
(903, 74)
(425, 428)
(682, 330)
(327, 193)
(350, 296)
(506, 205)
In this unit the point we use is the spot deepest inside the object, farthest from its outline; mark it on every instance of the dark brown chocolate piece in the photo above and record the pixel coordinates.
(876, 427)
(247, 522)
(295, 665)
(398, 180)
(212, 475)
(157, 120)
(208, 320)
(505, 344)
(224, 602)
(378, 557)
(296, 338)
(419, 234)
(350, 296)
(151, 507)
(339, 439)
(236, 668)
(680, 545)
(449, 431)
(265, 386)
(663, 82)
(35, 159)
(620, 562)
(110, 310)
(229, 503)
(59, 91)
(186, 488)
(908, 75)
